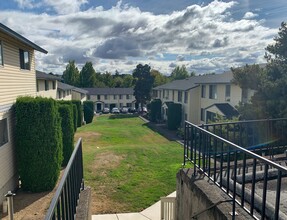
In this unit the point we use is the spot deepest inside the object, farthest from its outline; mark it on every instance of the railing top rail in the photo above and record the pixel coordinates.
(245, 121)
(62, 182)
(240, 148)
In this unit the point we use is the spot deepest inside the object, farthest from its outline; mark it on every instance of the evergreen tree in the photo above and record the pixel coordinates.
(143, 83)
(88, 76)
(71, 74)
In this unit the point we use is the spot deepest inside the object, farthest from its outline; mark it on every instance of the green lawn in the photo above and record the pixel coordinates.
(128, 166)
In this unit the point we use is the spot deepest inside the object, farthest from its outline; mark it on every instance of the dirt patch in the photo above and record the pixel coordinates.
(86, 134)
(107, 160)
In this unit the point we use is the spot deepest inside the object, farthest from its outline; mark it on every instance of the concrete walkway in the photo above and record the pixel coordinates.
(151, 213)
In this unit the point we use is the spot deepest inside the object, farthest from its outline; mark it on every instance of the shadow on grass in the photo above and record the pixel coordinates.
(121, 116)
(163, 131)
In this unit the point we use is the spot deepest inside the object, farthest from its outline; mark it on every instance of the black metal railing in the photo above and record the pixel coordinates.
(265, 137)
(243, 175)
(64, 203)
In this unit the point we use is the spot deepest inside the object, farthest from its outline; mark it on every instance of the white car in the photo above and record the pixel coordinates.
(115, 111)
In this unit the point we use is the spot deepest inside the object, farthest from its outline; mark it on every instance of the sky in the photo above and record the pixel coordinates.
(205, 36)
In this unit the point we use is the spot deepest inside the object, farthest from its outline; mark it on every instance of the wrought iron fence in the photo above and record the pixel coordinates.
(242, 174)
(64, 203)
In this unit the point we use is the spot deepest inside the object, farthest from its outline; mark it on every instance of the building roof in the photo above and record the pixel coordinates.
(110, 91)
(20, 38)
(64, 86)
(225, 77)
(228, 110)
(42, 75)
(183, 84)
(79, 90)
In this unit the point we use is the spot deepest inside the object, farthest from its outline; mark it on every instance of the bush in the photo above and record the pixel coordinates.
(66, 113)
(38, 143)
(155, 110)
(88, 111)
(75, 112)
(174, 116)
(78, 103)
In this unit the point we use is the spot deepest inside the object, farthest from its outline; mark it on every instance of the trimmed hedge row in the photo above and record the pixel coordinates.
(75, 112)
(155, 110)
(88, 111)
(66, 113)
(78, 103)
(38, 143)
(174, 116)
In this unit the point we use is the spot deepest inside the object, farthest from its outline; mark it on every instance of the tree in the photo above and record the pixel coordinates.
(88, 76)
(179, 73)
(270, 99)
(71, 74)
(128, 81)
(143, 83)
(159, 79)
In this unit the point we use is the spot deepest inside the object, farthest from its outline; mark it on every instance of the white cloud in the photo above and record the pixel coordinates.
(110, 38)
(249, 15)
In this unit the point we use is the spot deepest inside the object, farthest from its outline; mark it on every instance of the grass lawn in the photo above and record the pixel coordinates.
(128, 166)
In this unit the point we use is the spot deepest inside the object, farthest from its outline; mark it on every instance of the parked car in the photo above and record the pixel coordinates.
(115, 111)
(124, 110)
(106, 111)
(132, 110)
(142, 110)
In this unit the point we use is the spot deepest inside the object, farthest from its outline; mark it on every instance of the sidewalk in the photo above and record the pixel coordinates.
(151, 213)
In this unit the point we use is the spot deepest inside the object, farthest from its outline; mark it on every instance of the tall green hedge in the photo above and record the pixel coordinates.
(174, 116)
(38, 143)
(75, 112)
(66, 113)
(155, 110)
(88, 111)
(78, 103)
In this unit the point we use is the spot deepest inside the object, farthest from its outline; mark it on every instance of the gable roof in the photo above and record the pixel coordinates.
(20, 38)
(228, 110)
(225, 77)
(79, 90)
(64, 86)
(43, 75)
(110, 91)
(182, 84)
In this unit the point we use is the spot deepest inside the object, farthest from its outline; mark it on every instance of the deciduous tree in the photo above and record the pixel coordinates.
(71, 74)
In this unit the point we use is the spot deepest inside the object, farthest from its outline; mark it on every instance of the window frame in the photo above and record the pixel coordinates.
(185, 97)
(46, 85)
(212, 91)
(23, 64)
(227, 92)
(5, 132)
(1, 53)
(203, 91)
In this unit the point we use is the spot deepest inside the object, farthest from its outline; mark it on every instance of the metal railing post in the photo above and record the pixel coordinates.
(9, 197)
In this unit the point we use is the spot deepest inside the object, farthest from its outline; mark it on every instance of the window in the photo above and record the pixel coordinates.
(203, 91)
(120, 97)
(212, 92)
(54, 84)
(60, 94)
(163, 92)
(37, 86)
(106, 97)
(98, 97)
(46, 85)
(185, 97)
(227, 93)
(3, 132)
(202, 116)
(121, 105)
(128, 97)
(88, 97)
(115, 96)
(210, 116)
(172, 94)
(1, 54)
(24, 59)
(167, 94)
(179, 96)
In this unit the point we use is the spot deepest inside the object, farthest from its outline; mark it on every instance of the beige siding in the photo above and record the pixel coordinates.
(111, 100)
(8, 173)
(15, 82)
(51, 93)
(194, 106)
(78, 96)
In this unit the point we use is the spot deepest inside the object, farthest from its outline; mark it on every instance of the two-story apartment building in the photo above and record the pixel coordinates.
(203, 96)
(111, 97)
(79, 94)
(17, 78)
(47, 85)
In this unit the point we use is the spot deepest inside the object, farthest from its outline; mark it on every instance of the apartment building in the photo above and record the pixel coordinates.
(17, 78)
(203, 96)
(111, 97)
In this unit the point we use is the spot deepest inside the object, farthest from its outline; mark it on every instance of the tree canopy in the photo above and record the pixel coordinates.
(270, 83)
(179, 73)
(71, 74)
(88, 76)
(143, 83)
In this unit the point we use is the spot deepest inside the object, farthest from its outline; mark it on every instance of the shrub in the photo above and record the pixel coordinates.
(66, 113)
(174, 116)
(38, 143)
(88, 111)
(155, 110)
(78, 103)
(75, 112)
